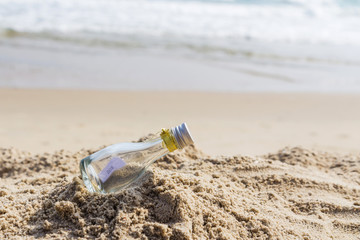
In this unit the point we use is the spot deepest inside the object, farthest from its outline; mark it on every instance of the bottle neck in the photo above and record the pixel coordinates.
(177, 137)
(169, 140)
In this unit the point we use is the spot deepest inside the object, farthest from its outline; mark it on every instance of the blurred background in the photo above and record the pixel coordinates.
(248, 76)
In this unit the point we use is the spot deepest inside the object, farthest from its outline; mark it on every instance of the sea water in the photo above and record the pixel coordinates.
(186, 22)
(314, 44)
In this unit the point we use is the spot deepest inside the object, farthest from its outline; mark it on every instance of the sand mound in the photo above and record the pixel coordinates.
(293, 194)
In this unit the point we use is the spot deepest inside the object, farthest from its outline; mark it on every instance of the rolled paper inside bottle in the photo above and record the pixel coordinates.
(168, 139)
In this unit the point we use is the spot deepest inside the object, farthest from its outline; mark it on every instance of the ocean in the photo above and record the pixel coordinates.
(309, 45)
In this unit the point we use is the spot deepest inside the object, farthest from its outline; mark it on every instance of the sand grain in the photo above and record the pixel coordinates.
(292, 194)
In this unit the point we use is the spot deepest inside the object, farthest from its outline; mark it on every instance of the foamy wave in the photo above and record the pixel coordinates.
(204, 22)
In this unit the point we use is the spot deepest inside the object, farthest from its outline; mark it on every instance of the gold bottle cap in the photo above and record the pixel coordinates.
(168, 139)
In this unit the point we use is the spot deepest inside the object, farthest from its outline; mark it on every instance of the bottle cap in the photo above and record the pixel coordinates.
(182, 135)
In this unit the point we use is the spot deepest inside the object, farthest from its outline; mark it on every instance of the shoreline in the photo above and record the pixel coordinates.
(258, 67)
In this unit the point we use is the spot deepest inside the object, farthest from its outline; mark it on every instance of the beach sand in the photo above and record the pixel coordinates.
(234, 184)
(221, 123)
(291, 194)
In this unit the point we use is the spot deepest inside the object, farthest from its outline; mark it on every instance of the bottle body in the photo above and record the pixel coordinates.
(118, 165)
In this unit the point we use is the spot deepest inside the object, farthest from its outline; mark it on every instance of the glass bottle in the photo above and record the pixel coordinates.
(118, 165)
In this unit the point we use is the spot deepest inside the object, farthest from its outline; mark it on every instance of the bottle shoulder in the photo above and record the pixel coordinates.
(126, 147)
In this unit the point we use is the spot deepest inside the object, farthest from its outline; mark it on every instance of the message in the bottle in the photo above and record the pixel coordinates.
(114, 164)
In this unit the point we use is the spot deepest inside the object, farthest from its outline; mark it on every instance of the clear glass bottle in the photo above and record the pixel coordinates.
(118, 165)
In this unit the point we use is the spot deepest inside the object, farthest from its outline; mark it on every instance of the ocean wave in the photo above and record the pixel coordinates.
(297, 21)
(216, 50)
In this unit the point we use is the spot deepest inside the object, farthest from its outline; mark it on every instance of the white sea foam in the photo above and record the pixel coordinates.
(206, 22)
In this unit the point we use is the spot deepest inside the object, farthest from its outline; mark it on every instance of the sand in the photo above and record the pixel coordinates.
(221, 123)
(292, 194)
(308, 192)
